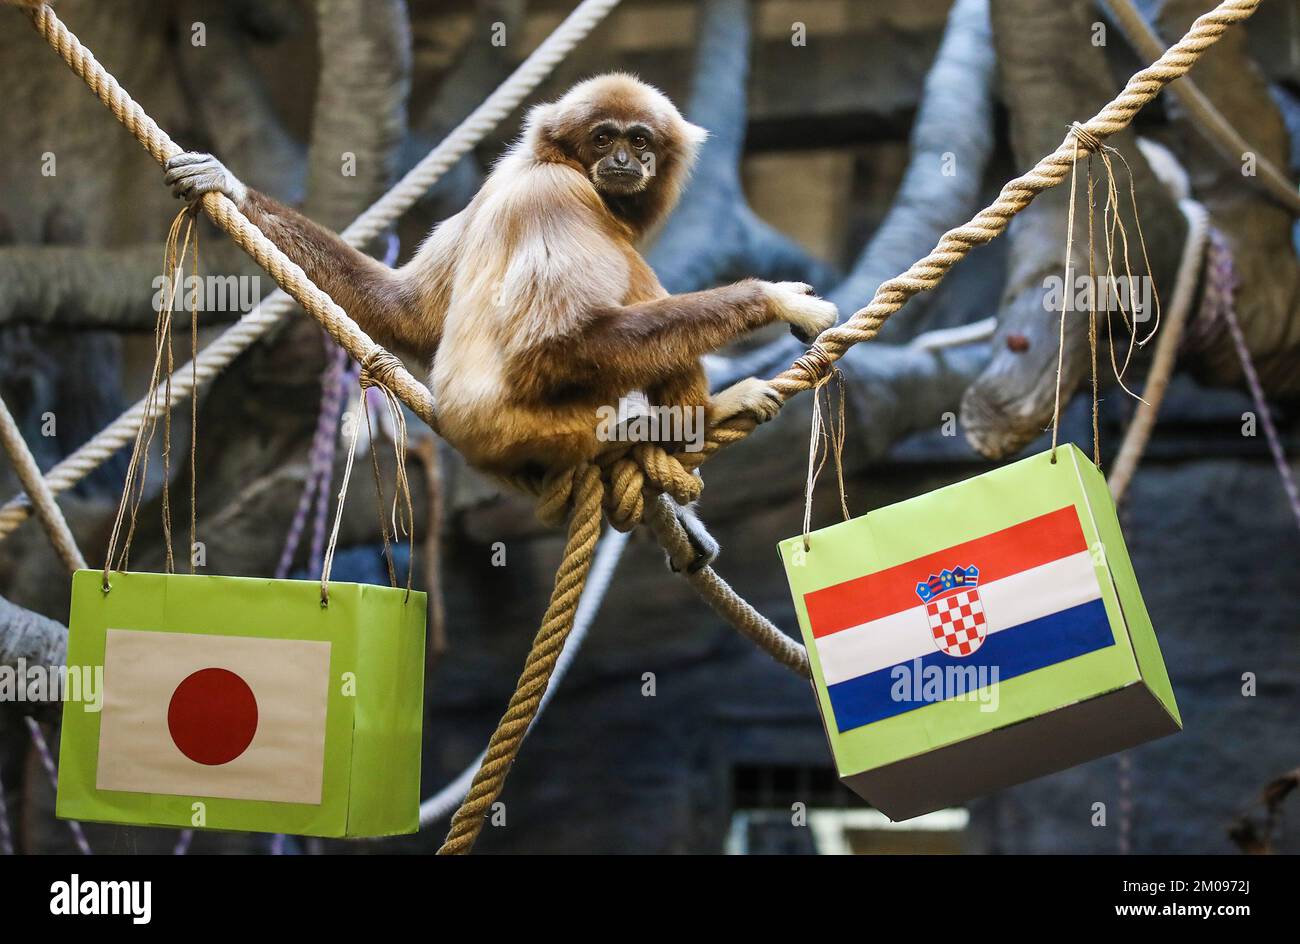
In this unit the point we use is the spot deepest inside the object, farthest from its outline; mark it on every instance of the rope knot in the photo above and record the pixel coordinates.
(629, 474)
(1087, 140)
(554, 496)
(816, 363)
(379, 369)
(665, 473)
(633, 472)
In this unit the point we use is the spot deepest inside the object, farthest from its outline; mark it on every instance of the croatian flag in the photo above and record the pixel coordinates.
(189, 714)
(1008, 603)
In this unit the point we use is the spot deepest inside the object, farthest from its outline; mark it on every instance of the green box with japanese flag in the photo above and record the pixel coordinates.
(979, 636)
(245, 704)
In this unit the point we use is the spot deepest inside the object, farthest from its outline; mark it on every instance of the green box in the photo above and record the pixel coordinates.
(1024, 566)
(241, 703)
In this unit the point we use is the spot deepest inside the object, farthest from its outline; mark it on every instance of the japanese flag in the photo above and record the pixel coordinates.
(213, 716)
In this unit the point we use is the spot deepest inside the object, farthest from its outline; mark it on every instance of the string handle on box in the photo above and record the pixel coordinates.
(826, 438)
(180, 236)
(1112, 226)
(374, 375)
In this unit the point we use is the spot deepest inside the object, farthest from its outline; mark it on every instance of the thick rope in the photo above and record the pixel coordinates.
(608, 552)
(717, 593)
(666, 473)
(863, 325)
(926, 273)
(376, 219)
(584, 529)
(47, 509)
(228, 217)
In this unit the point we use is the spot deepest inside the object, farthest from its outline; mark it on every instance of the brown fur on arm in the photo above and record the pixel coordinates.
(644, 344)
(385, 306)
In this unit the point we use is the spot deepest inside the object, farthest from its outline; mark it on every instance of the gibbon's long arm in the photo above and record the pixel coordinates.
(555, 286)
(639, 345)
(388, 306)
(385, 305)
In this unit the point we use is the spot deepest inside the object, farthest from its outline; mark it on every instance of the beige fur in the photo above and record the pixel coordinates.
(533, 303)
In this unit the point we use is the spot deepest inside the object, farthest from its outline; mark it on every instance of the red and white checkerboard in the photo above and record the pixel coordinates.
(957, 622)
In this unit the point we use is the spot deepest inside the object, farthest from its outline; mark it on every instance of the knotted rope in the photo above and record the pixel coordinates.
(652, 467)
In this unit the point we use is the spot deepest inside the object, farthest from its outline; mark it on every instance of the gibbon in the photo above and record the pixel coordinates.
(533, 305)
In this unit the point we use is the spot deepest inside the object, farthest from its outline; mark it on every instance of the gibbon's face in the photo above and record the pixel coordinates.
(629, 139)
(619, 157)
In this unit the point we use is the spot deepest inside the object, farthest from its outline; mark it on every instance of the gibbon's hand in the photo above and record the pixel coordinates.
(796, 304)
(751, 396)
(191, 174)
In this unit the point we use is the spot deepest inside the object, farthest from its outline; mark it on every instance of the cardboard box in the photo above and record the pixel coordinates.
(243, 703)
(979, 636)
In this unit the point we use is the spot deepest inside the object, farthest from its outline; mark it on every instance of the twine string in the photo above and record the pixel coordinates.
(826, 439)
(1112, 227)
(375, 373)
(180, 235)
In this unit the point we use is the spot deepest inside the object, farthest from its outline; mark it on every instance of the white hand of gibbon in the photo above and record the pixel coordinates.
(797, 305)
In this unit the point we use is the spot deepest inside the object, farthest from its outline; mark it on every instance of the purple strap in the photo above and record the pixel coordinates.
(6, 836)
(1221, 285)
(43, 748)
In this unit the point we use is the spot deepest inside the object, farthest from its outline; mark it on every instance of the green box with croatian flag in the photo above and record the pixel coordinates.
(978, 636)
(241, 703)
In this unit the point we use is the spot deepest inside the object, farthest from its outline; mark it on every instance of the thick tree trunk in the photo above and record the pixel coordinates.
(714, 236)
(952, 137)
(36, 639)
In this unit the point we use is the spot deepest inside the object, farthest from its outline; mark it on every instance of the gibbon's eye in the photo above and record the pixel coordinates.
(602, 139)
(640, 142)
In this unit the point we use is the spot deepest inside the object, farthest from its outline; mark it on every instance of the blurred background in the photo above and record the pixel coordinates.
(846, 136)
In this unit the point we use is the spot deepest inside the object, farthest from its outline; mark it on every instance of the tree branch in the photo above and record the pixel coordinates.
(952, 137)
(714, 236)
(36, 639)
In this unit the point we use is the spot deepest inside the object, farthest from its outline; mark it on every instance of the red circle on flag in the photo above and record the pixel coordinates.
(212, 716)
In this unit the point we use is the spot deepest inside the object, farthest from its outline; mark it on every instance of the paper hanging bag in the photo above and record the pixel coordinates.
(979, 636)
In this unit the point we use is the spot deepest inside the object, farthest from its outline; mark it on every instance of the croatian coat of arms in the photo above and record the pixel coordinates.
(955, 610)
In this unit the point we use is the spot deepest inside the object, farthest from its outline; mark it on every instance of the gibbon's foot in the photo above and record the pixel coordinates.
(191, 174)
(751, 396)
(797, 304)
(703, 546)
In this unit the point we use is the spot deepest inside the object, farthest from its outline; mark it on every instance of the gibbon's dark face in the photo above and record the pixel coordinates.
(629, 140)
(619, 157)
